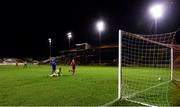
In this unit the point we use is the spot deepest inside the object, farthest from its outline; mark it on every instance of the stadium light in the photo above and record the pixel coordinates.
(49, 47)
(49, 40)
(156, 11)
(100, 27)
(69, 35)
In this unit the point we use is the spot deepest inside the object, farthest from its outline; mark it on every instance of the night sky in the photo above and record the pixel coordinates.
(26, 26)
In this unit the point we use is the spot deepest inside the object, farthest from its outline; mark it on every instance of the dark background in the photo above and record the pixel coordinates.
(26, 26)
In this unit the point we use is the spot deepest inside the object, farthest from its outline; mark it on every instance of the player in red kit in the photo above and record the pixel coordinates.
(16, 63)
(73, 65)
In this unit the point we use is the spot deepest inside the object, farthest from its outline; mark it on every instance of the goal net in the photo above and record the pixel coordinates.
(176, 63)
(145, 67)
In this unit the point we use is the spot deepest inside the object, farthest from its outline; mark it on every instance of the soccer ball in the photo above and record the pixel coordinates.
(159, 78)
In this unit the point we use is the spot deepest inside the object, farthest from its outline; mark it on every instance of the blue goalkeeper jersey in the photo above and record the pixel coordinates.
(53, 63)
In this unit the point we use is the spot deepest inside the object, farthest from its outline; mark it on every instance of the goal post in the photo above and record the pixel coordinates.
(119, 68)
(175, 76)
(145, 67)
(172, 62)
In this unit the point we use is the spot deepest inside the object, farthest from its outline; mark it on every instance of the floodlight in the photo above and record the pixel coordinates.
(156, 10)
(49, 47)
(69, 35)
(100, 26)
(49, 40)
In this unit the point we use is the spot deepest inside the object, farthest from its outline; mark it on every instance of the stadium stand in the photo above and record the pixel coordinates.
(87, 54)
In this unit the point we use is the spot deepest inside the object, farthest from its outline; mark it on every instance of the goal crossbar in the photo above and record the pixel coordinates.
(149, 40)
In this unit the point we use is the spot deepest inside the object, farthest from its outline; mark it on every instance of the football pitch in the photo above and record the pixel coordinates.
(90, 86)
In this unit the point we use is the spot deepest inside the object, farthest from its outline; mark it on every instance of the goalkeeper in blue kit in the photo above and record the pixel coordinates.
(54, 71)
(53, 64)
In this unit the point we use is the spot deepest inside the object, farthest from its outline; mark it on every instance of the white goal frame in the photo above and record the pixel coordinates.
(120, 66)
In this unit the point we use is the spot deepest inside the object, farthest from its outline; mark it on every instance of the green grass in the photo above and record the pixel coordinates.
(91, 86)
(144, 81)
(32, 86)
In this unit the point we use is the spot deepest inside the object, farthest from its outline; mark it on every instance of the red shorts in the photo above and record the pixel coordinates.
(73, 67)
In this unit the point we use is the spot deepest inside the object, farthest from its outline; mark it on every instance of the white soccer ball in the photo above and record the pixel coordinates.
(159, 78)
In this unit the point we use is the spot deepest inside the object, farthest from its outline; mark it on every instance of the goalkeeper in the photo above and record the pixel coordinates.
(54, 71)
(53, 64)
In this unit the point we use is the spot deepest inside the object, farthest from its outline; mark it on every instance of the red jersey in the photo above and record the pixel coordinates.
(73, 63)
